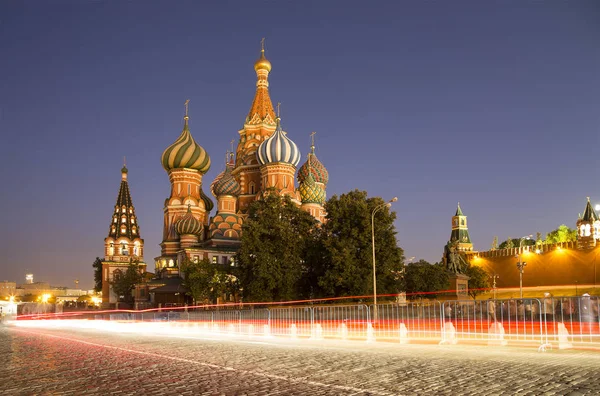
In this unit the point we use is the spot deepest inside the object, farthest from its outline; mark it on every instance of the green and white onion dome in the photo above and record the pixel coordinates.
(186, 153)
(278, 148)
(315, 167)
(310, 191)
(214, 183)
(227, 185)
(188, 224)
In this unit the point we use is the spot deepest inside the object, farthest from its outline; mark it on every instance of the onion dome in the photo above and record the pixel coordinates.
(310, 191)
(208, 203)
(227, 185)
(262, 63)
(185, 153)
(278, 148)
(214, 183)
(314, 167)
(188, 224)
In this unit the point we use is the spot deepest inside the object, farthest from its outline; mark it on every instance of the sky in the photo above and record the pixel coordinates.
(495, 104)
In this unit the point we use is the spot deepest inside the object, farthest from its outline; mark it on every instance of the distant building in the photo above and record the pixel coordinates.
(7, 289)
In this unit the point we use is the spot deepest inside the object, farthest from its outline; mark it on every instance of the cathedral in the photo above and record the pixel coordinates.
(266, 160)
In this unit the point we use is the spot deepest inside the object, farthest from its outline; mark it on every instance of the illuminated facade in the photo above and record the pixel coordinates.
(265, 161)
(460, 232)
(588, 228)
(123, 244)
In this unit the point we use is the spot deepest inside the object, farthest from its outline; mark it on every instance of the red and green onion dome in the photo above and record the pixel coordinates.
(315, 167)
(278, 148)
(214, 183)
(227, 185)
(186, 153)
(188, 224)
(310, 191)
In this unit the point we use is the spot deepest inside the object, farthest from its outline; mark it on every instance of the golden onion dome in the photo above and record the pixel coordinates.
(262, 63)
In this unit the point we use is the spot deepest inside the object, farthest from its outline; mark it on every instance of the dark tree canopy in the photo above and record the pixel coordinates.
(345, 266)
(479, 280)
(97, 274)
(124, 282)
(423, 277)
(275, 240)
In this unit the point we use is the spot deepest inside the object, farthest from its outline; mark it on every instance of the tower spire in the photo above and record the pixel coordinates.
(262, 107)
(186, 117)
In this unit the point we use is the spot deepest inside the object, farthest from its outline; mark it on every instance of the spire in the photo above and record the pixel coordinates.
(186, 117)
(124, 221)
(262, 107)
(589, 214)
(458, 211)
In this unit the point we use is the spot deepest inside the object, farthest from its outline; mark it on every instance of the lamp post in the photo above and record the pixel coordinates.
(494, 277)
(383, 205)
(521, 264)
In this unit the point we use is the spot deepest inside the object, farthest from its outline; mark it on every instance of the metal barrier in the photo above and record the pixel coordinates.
(411, 320)
(564, 322)
(495, 321)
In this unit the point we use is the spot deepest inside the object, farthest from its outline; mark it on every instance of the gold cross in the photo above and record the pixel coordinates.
(186, 107)
(278, 104)
(262, 44)
(312, 137)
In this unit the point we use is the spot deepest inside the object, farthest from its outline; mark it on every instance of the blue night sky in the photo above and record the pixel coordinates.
(495, 104)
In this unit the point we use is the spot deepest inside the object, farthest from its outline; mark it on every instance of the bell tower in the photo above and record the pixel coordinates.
(460, 232)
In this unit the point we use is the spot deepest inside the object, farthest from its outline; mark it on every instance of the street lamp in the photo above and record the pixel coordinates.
(521, 264)
(383, 205)
(494, 277)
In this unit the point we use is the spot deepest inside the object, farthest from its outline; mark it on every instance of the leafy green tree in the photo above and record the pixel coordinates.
(561, 234)
(123, 283)
(345, 265)
(275, 239)
(423, 277)
(197, 279)
(97, 274)
(479, 280)
(515, 243)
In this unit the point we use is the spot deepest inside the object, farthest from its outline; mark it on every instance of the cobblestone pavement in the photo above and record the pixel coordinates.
(75, 362)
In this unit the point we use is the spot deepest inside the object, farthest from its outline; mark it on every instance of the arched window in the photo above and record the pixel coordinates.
(111, 249)
(132, 220)
(588, 230)
(123, 219)
(136, 249)
(582, 230)
(124, 249)
(251, 185)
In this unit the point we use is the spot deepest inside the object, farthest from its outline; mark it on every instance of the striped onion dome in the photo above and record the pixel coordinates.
(227, 185)
(188, 224)
(310, 191)
(278, 148)
(315, 167)
(185, 153)
(208, 203)
(214, 183)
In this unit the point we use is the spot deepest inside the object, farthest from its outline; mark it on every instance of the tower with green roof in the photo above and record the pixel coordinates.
(460, 232)
(588, 228)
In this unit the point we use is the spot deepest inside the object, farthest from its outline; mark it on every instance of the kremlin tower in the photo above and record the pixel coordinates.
(123, 244)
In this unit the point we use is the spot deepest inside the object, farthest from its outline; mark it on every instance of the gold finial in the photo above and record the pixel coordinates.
(187, 102)
(312, 142)
(262, 45)
(189, 207)
(125, 162)
(278, 114)
(588, 198)
(232, 141)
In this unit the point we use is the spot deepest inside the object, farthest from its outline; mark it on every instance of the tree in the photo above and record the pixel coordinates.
(123, 283)
(207, 282)
(345, 265)
(276, 236)
(515, 243)
(479, 280)
(97, 274)
(197, 279)
(561, 234)
(423, 277)
(495, 243)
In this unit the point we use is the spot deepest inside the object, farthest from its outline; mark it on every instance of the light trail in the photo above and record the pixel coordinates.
(219, 367)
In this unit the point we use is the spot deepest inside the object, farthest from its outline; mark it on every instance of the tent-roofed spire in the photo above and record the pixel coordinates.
(458, 211)
(589, 214)
(262, 110)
